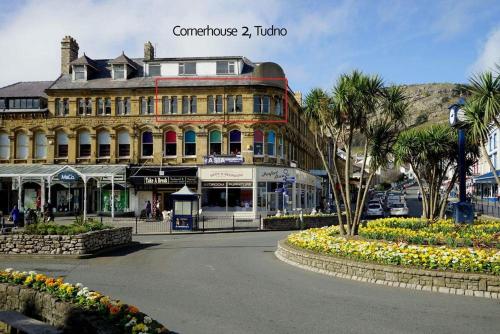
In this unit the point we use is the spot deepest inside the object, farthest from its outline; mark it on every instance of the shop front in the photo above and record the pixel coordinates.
(227, 190)
(242, 190)
(154, 185)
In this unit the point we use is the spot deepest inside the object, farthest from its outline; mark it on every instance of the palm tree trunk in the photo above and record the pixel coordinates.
(347, 182)
(420, 186)
(332, 184)
(358, 211)
(365, 193)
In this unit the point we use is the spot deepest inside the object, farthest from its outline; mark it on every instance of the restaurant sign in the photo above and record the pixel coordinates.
(224, 160)
(170, 180)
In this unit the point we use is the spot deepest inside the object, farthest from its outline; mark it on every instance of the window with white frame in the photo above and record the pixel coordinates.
(79, 72)
(40, 145)
(62, 144)
(84, 106)
(147, 144)
(271, 143)
(123, 144)
(235, 142)
(189, 104)
(147, 105)
(215, 142)
(154, 70)
(187, 68)
(278, 106)
(258, 143)
(22, 146)
(234, 103)
(104, 144)
(84, 140)
(226, 67)
(261, 104)
(189, 143)
(119, 71)
(4, 146)
(170, 144)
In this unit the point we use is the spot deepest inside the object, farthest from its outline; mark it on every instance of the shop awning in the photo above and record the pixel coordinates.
(486, 178)
(117, 172)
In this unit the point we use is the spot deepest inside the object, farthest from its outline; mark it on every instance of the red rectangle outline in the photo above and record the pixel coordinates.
(285, 80)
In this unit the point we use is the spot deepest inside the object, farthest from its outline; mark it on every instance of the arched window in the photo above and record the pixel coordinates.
(22, 146)
(190, 143)
(271, 143)
(104, 144)
(147, 144)
(281, 147)
(123, 144)
(235, 142)
(215, 146)
(84, 144)
(170, 144)
(62, 144)
(258, 142)
(40, 145)
(4, 146)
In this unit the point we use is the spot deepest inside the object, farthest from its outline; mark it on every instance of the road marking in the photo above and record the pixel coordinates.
(210, 267)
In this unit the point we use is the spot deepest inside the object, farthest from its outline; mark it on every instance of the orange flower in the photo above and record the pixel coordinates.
(114, 310)
(40, 278)
(132, 309)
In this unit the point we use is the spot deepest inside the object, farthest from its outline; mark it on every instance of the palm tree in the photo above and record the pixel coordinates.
(360, 106)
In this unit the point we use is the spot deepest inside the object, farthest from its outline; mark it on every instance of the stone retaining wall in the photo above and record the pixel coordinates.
(470, 284)
(293, 223)
(86, 243)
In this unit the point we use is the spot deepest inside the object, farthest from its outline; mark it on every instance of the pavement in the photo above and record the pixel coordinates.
(233, 283)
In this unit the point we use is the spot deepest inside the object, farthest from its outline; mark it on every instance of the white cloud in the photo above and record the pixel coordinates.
(490, 53)
(31, 35)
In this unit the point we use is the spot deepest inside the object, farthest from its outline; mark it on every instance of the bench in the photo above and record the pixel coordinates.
(18, 323)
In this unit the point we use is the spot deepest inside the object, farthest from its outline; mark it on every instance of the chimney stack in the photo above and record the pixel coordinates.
(149, 51)
(69, 52)
(298, 97)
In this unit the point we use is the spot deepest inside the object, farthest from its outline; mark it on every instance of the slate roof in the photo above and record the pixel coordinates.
(123, 59)
(26, 89)
(101, 77)
(85, 60)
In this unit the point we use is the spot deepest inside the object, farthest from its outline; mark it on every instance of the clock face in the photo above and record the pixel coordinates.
(453, 116)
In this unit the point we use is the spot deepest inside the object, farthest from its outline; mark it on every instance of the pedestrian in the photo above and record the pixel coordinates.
(14, 215)
(148, 210)
(419, 196)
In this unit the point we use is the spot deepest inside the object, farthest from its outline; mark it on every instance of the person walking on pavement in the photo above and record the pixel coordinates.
(14, 214)
(148, 210)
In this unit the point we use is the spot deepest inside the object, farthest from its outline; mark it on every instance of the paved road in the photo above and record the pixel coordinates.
(233, 283)
(414, 205)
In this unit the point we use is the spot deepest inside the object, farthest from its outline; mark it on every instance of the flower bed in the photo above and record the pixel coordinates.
(327, 240)
(123, 318)
(443, 232)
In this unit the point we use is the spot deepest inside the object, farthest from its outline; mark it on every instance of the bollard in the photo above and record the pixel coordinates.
(203, 223)
(233, 222)
(101, 219)
(135, 224)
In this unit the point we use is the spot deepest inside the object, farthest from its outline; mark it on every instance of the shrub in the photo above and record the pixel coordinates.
(73, 229)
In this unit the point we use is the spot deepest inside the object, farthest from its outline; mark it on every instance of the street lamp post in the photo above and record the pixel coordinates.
(463, 211)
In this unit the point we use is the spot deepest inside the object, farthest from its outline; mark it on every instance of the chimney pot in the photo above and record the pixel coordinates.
(149, 51)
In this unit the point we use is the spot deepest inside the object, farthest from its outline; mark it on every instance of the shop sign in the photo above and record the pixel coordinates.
(275, 174)
(219, 174)
(224, 160)
(170, 179)
(68, 176)
(213, 184)
(229, 184)
(239, 184)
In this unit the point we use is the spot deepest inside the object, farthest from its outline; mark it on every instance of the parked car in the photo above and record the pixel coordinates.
(375, 210)
(399, 210)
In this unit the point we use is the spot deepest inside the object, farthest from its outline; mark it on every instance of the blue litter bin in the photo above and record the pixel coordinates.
(463, 213)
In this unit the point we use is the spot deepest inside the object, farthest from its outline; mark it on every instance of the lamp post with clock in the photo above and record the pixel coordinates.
(463, 211)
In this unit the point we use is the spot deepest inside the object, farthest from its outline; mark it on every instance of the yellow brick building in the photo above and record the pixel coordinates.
(137, 129)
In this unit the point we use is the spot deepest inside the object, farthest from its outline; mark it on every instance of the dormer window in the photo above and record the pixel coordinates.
(226, 67)
(187, 68)
(79, 72)
(118, 72)
(154, 70)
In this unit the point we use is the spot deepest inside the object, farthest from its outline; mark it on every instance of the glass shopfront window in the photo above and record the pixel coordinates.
(227, 196)
(120, 200)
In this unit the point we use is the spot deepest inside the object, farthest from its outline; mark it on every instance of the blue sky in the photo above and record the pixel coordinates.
(403, 41)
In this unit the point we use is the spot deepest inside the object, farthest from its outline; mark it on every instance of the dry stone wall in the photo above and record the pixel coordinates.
(471, 284)
(86, 243)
